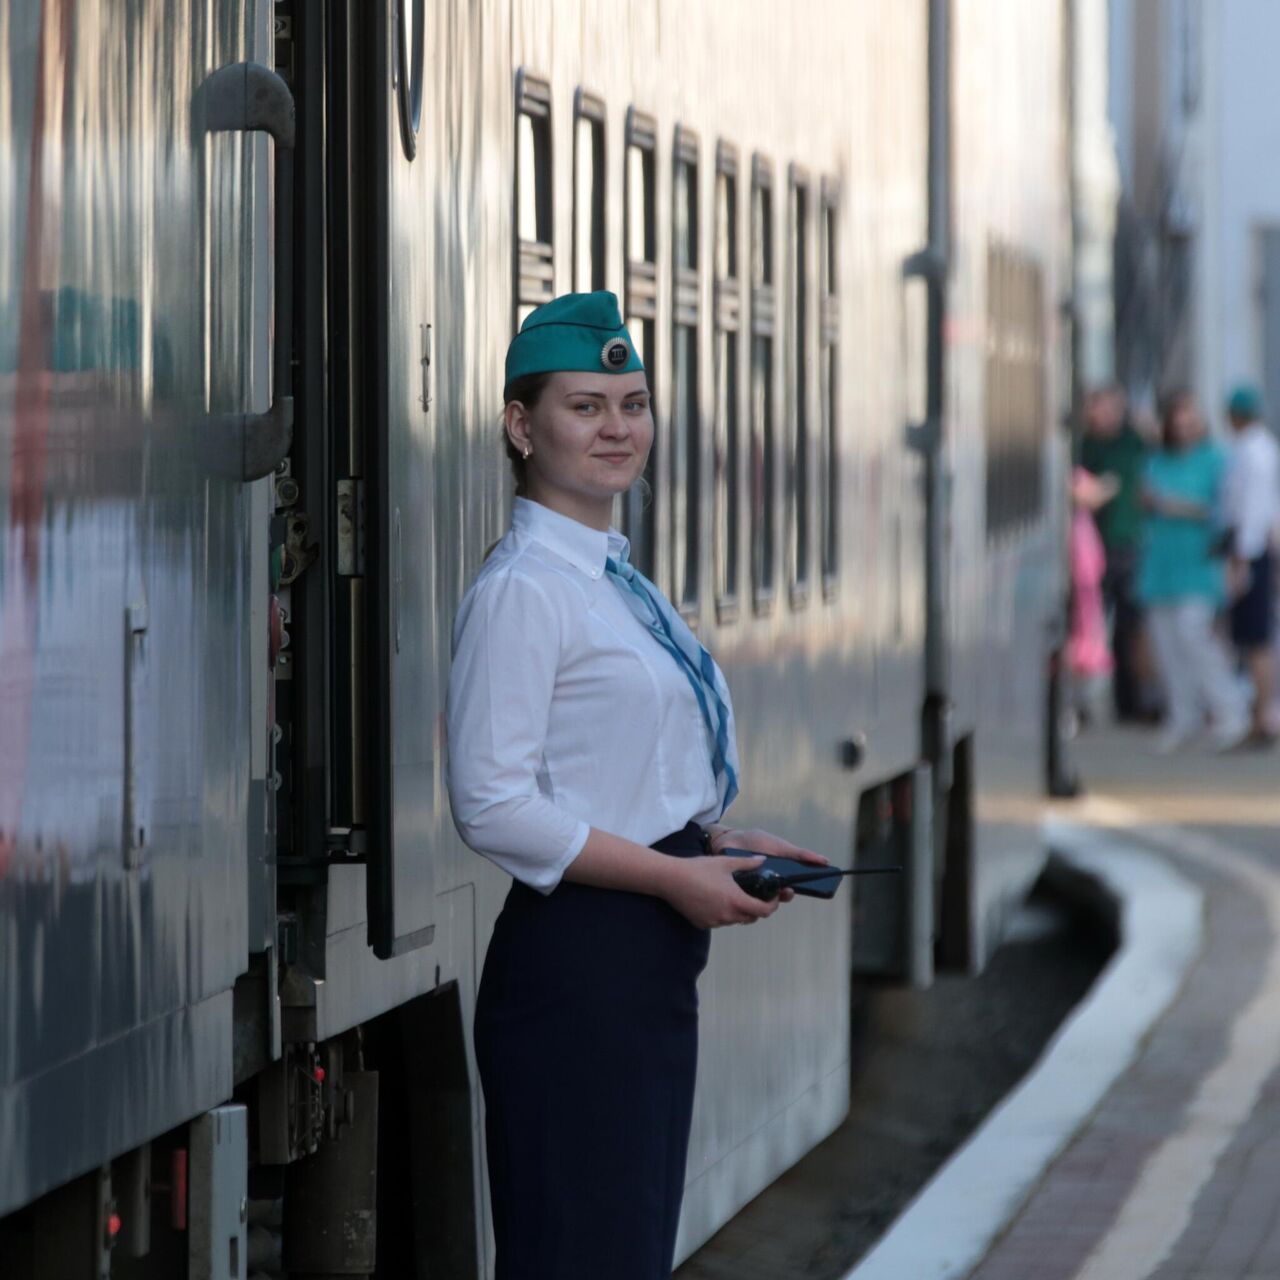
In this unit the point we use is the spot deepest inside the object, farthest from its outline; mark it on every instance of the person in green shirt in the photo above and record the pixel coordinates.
(1182, 583)
(1113, 446)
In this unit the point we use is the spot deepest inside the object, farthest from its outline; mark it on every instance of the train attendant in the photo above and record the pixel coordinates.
(591, 756)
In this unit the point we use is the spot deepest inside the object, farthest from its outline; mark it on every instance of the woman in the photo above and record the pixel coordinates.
(1180, 579)
(591, 756)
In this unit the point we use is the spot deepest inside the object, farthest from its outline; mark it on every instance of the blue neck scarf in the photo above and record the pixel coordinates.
(669, 629)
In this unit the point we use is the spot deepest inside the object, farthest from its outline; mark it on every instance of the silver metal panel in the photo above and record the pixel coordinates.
(1010, 185)
(127, 282)
(404, 504)
(63, 1121)
(217, 1225)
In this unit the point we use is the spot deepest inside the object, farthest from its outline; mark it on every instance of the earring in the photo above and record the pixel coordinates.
(527, 452)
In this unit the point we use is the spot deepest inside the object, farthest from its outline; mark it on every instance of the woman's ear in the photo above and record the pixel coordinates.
(516, 420)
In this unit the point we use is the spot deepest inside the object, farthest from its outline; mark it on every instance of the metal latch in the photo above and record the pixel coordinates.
(351, 545)
(134, 818)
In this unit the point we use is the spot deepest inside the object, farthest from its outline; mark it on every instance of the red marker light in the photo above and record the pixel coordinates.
(318, 1075)
(114, 1224)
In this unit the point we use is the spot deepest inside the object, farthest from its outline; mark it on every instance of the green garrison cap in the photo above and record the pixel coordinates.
(1245, 401)
(581, 332)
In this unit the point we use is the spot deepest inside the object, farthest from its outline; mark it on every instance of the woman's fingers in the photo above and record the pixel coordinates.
(760, 910)
(704, 892)
(765, 842)
(808, 856)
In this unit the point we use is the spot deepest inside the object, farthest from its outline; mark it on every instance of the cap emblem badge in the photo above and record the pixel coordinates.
(615, 354)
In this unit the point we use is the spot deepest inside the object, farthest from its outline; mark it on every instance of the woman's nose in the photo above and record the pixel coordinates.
(614, 424)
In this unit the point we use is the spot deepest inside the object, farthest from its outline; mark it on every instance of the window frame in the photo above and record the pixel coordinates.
(590, 107)
(829, 397)
(533, 264)
(762, 430)
(640, 307)
(1015, 429)
(798, 469)
(684, 453)
(727, 304)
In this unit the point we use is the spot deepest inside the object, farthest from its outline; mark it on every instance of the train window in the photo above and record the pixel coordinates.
(728, 311)
(640, 303)
(762, 354)
(1016, 406)
(588, 193)
(535, 274)
(685, 446)
(797, 472)
(828, 375)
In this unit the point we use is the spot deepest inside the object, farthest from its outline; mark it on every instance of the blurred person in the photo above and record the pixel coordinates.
(1113, 446)
(1251, 507)
(1089, 657)
(1181, 580)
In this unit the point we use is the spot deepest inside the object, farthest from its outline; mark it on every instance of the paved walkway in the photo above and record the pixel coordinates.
(1176, 1175)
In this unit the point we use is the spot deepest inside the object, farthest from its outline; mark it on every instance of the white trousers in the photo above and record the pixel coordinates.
(1194, 668)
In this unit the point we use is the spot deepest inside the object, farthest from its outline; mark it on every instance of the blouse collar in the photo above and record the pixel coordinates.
(585, 548)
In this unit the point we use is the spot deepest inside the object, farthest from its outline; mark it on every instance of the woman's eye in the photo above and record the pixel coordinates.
(634, 406)
(586, 407)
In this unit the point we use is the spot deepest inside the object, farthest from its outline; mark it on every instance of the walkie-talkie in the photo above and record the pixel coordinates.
(773, 875)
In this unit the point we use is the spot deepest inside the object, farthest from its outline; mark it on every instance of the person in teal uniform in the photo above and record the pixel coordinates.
(1181, 580)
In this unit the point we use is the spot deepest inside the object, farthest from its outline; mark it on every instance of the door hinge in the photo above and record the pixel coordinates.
(351, 546)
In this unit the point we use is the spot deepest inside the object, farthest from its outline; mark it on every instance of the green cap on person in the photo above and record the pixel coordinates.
(577, 332)
(1245, 402)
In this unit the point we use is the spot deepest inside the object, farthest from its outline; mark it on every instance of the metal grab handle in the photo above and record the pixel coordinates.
(248, 97)
(930, 266)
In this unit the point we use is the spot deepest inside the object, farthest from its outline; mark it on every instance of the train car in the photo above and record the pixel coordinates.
(259, 265)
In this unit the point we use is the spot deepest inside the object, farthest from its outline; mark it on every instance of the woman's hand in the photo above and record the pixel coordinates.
(704, 891)
(757, 841)
(765, 842)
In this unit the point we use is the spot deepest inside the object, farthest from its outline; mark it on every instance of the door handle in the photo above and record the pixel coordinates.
(248, 97)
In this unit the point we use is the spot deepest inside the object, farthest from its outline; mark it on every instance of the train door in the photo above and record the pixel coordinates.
(403, 699)
(365, 743)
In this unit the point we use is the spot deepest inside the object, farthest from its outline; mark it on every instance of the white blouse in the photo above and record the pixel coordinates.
(564, 713)
(1251, 491)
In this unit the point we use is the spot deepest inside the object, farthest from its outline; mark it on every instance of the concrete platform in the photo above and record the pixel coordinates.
(1145, 1145)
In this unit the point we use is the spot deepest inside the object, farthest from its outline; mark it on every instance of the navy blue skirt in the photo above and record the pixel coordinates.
(587, 1043)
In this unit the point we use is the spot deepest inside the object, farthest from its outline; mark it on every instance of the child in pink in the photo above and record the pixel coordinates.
(1088, 653)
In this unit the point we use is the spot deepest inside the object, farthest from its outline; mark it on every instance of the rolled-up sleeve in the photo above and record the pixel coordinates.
(506, 650)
